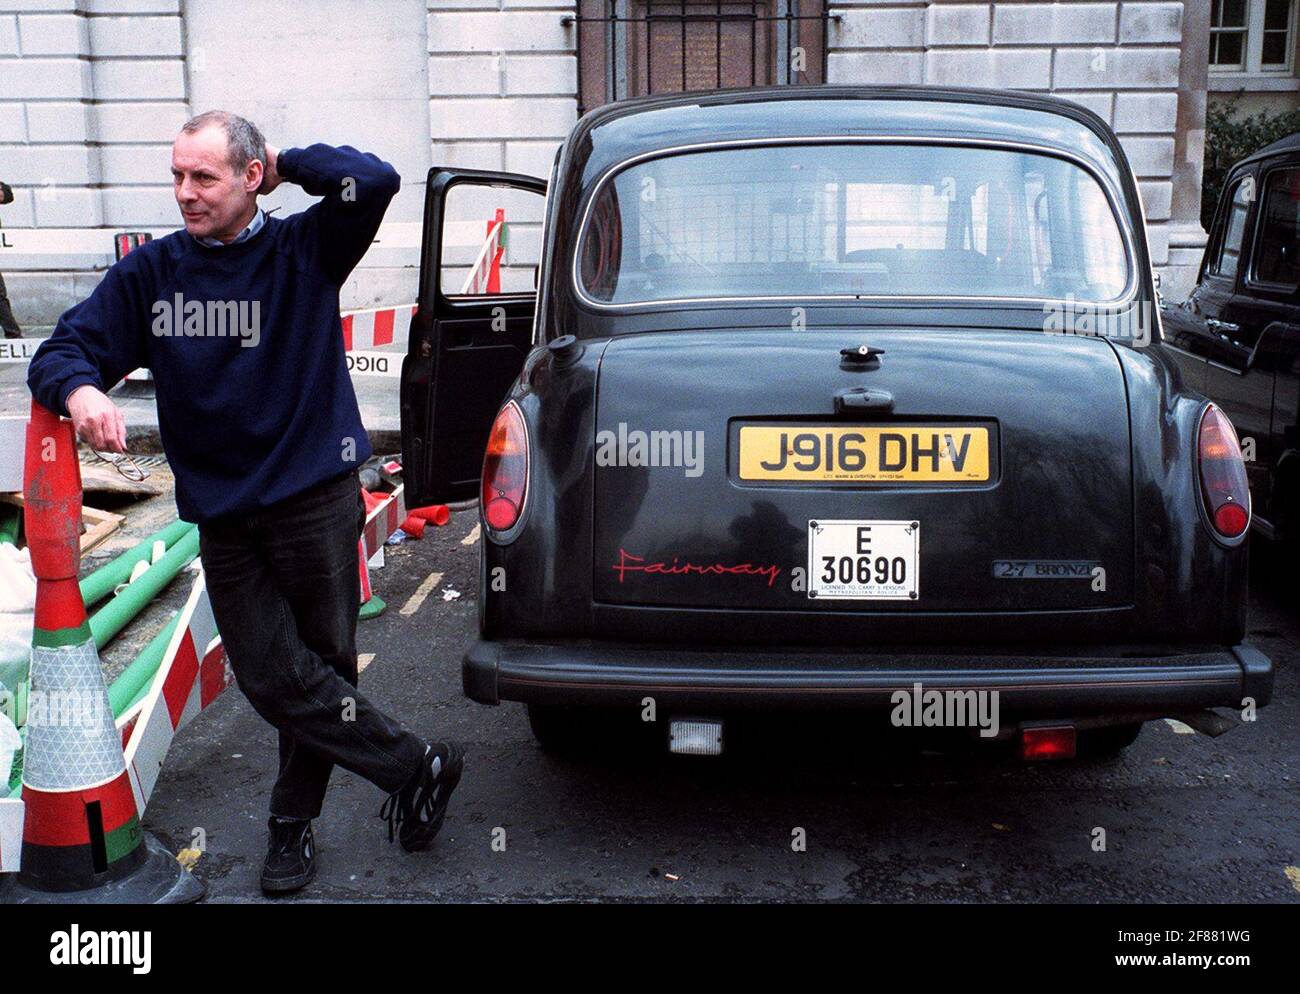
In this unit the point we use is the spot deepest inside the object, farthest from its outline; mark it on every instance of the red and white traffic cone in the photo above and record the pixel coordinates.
(82, 841)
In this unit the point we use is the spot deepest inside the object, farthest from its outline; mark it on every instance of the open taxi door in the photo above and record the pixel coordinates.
(473, 326)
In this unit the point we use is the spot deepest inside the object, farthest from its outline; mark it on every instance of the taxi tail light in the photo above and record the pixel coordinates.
(505, 470)
(1224, 490)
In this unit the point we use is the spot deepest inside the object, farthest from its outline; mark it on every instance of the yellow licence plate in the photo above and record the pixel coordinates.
(898, 453)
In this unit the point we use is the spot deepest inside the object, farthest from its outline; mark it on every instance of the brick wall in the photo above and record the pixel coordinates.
(84, 86)
(502, 83)
(89, 83)
(92, 92)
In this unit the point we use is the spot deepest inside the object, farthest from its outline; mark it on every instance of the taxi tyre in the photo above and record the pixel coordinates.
(568, 730)
(562, 730)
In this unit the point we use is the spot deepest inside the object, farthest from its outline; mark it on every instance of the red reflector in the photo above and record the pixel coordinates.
(501, 514)
(1047, 742)
(1231, 520)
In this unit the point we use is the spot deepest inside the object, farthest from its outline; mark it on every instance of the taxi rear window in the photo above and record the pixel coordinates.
(861, 219)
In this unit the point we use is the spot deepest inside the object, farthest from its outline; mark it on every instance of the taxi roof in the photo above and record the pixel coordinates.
(615, 132)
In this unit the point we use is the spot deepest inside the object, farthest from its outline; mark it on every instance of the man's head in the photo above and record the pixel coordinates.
(218, 161)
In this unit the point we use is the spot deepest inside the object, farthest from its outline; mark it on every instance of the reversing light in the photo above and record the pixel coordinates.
(505, 470)
(1225, 493)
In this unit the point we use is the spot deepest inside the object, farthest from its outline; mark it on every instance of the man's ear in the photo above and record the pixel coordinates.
(253, 175)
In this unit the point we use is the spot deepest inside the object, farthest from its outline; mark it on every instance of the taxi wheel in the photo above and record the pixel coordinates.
(1109, 741)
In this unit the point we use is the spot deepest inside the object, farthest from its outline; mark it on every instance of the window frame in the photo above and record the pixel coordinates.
(1252, 281)
(1215, 250)
(1113, 195)
(614, 46)
(1253, 48)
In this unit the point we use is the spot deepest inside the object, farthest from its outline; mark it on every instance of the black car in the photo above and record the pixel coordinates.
(828, 396)
(1237, 335)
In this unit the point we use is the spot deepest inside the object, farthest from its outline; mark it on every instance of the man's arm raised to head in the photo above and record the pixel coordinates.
(94, 344)
(357, 188)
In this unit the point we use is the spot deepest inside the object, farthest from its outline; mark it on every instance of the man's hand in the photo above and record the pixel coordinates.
(97, 419)
(271, 178)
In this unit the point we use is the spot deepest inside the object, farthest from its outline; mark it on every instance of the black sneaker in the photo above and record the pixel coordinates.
(290, 856)
(416, 812)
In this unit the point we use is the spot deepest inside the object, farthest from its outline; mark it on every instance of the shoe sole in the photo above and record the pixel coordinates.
(422, 836)
(274, 888)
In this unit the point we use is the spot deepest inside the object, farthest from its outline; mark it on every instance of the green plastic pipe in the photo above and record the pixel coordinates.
(116, 613)
(9, 524)
(100, 583)
(134, 700)
(133, 681)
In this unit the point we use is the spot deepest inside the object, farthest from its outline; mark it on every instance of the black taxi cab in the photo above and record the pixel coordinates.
(818, 396)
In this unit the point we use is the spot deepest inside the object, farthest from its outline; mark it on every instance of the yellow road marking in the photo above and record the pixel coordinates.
(1293, 874)
(421, 592)
(364, 659)
(472, 537)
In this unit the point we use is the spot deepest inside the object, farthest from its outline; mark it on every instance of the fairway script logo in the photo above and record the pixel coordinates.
(92, 948)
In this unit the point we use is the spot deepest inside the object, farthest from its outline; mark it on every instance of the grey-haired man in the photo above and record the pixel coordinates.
(237, 316)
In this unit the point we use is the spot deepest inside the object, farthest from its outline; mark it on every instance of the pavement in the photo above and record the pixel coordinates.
(1186, 818)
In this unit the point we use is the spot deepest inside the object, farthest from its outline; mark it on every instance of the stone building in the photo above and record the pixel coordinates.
(92, 93)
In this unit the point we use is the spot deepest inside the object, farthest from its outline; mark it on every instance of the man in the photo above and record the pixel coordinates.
(237, 316)
(7, 320)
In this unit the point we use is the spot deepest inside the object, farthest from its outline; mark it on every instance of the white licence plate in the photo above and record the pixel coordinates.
(863, 560)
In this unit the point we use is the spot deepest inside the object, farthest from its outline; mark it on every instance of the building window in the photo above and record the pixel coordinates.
(632, 48)
(1275, 49)
(1252, 36)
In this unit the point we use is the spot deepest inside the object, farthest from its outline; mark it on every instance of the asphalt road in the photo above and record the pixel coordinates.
(1186, 817)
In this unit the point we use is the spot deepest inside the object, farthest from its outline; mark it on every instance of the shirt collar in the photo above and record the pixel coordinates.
(253, 226)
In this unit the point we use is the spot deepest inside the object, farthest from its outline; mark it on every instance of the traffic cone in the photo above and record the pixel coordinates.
(436, 514)
(82, 841)
(414, 526)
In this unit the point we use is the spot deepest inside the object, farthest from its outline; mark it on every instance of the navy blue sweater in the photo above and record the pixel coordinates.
(265, 410)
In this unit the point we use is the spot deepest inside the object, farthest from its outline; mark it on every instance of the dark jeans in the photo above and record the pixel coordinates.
(7, 320)
(285, 592)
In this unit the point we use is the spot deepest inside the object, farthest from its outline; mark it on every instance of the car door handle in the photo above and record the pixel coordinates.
(863, 399)
(1214, 324)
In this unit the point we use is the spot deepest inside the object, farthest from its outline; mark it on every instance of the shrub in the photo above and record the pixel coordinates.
(1229, 139)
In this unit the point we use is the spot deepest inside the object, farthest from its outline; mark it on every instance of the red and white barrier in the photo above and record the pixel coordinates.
(381, 521)
(193, 673)
(376, 327)
(485, 275)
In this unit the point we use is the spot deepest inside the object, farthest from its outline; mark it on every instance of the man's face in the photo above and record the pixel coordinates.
(215, 201)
